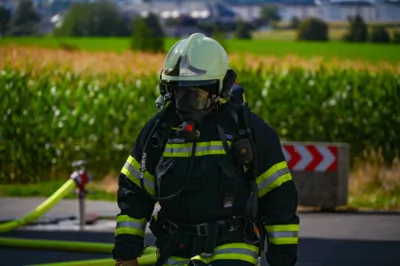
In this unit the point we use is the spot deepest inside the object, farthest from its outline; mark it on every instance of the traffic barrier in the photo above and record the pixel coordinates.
(320, 172)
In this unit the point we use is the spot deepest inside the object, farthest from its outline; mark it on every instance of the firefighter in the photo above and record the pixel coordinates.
(216, 169)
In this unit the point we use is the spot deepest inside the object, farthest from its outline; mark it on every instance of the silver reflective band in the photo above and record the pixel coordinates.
(283, 234)
(130, 224)
(273, 177)
(136, 174)
(177, 150)
(177, 262)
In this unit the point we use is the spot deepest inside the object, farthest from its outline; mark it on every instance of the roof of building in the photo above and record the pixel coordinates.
(195, 9)
(284, 2)
(299, 2)
(392, 2)
(353, 2)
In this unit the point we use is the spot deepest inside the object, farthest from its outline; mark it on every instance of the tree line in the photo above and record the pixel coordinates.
(105, 18)
(24, 22)
(314, 29)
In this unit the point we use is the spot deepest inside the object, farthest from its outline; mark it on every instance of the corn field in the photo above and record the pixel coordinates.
(59, 106)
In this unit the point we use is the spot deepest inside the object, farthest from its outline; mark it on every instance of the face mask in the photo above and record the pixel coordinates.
(191, 98)
(192, 104)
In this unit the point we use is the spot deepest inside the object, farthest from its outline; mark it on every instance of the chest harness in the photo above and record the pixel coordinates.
(244, 152)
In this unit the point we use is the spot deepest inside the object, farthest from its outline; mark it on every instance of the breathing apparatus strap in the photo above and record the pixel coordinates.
(143, 160)
(169, 248)
(243, 120)
(174, 237)
(224, 141)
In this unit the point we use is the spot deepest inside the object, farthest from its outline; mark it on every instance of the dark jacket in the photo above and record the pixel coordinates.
(216, 189)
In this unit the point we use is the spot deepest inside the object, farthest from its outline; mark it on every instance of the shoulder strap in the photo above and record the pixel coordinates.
(245, 122)
(242, 116)
(233, 112)
(160, 136)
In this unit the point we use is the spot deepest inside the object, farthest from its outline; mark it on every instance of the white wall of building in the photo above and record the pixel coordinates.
(328, 12)
(302, 12)
(341, 13)
(388, 13)
(247, 12)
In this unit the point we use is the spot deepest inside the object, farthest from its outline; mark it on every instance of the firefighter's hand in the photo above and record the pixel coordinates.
(132, 262)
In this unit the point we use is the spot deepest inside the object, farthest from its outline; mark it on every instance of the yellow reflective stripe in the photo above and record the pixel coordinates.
(284, 241)
(282, 227)
(177, 261)
(283, 234)
(237, 251)
(132, 170)
(273, 178)
(130, 226)
(202, 149)
(129, 231)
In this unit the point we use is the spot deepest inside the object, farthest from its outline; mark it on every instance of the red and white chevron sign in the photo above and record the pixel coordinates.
(316, 158)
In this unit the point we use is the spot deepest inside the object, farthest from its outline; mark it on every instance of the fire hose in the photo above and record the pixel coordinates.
(39, 210)
(78, 179)
(148, 257)
(145, 260)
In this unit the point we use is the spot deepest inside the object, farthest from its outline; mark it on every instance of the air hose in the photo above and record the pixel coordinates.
(41, 209)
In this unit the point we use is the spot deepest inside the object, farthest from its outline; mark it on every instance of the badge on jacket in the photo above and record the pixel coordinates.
(228, 202)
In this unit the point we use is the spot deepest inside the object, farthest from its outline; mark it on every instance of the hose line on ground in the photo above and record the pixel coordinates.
(145, 260)
(63, 245)
(41, 209)
(148, 257)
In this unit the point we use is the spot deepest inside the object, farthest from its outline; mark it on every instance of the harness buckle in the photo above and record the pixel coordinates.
(171, 227)
(201, 229)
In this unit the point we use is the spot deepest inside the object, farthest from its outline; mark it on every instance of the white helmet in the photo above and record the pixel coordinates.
(198, 61)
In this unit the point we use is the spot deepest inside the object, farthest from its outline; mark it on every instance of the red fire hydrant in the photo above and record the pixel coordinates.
(81, 178)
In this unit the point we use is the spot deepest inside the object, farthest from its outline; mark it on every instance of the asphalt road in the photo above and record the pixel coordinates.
(326, 239)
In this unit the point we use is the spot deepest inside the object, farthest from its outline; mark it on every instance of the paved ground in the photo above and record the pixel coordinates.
(326, 239)
(16, 207)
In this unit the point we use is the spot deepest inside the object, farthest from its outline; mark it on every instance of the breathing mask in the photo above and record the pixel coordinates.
(193, 104)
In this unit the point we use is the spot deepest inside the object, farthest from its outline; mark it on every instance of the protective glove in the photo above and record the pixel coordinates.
(132, 262)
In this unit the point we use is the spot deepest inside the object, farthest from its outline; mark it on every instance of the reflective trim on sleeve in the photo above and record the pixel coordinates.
(132, 170)
(177, 261)
(283, 234)
(238, 251)
(202, 149)
(273, 178)
(130, 226)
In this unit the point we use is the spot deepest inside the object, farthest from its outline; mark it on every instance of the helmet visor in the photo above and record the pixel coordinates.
(191, 97)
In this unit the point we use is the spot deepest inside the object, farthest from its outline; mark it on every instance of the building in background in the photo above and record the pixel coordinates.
(300, 8)
(199, 10)
(228, 11)
(249, 10)
(388, 10)
(328, 10)
(341, 10)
